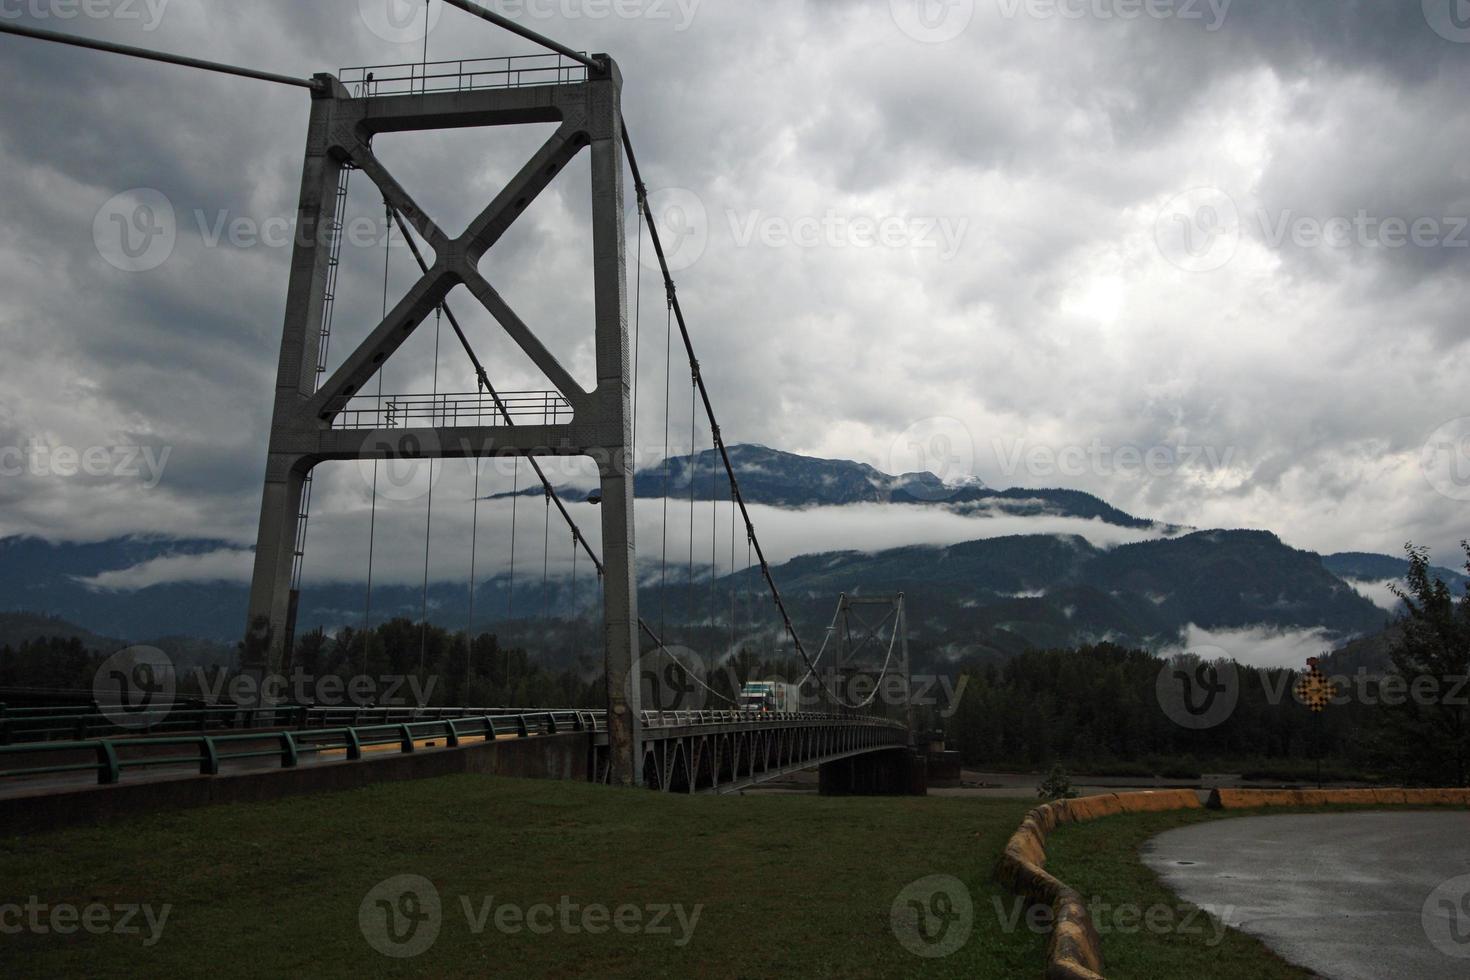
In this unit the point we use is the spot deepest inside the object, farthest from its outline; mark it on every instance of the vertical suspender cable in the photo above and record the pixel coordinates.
(663, 574)
(429, 511)
(576, 620)
(692, 439)
(546, 547)
(367, 613)
(732, 574)
(474, 542)
(637, 338)
(714, 533)
(510, 592)
(546, 562)
(515, 495)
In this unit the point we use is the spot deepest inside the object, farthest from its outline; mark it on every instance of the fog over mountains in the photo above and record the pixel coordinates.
(1020, 568)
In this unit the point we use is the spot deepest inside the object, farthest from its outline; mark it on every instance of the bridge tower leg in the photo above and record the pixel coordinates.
(314, 424)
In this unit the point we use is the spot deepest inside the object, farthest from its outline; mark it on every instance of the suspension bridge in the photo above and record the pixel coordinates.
(323, 414)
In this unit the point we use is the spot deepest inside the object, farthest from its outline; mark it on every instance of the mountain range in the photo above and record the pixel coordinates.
(994, 596)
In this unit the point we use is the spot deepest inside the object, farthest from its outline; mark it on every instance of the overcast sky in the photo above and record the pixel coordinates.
(1207, 260)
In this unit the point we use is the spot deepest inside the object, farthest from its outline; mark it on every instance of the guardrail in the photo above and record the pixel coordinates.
(515, 71)
(112, 757)
(79, 722)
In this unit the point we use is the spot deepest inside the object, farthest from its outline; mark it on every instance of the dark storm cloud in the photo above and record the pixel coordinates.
(1049, 144)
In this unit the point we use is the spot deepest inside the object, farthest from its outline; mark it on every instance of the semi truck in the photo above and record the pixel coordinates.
(770, 696)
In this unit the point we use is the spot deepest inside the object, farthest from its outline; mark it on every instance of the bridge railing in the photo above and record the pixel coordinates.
(79, 722)
(450, 409)
(110, 758)
(516, 71)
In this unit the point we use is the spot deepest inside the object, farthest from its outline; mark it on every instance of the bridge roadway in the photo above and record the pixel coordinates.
(684, 751)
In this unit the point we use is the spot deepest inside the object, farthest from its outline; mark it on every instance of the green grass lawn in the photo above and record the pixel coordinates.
(784, 885)
(787, 885)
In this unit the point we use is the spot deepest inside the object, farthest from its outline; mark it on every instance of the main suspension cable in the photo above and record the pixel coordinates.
(147, 54)
(699, 385)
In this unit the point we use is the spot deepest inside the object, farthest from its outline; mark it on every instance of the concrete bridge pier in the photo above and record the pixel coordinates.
(891, 772)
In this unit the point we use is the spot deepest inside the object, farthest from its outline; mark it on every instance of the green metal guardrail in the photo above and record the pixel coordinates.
(79, 722)
(209, 752)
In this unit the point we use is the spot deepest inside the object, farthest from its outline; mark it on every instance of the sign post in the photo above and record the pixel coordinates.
(1315, 691)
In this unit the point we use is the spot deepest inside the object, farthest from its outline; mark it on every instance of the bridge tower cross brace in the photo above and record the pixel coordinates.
(308, 421)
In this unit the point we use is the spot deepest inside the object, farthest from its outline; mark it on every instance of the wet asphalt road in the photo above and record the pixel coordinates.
(1361, 896)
